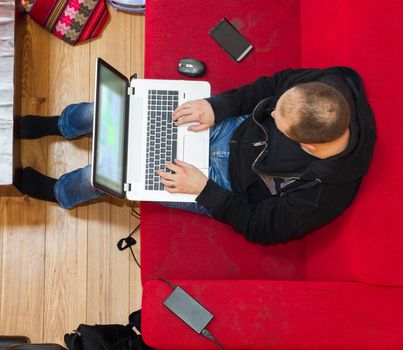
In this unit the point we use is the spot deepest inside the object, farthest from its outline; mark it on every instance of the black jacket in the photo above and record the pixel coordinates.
(324, 188)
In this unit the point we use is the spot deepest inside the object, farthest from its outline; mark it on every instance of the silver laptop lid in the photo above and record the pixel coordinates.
(110, 130)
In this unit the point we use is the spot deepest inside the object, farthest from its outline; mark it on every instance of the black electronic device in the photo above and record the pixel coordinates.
(188, 310)
(191, 66)
(231, 40)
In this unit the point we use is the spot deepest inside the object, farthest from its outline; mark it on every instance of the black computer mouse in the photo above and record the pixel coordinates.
(191, 66)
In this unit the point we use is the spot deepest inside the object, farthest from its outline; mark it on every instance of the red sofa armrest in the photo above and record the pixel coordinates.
(279, 315)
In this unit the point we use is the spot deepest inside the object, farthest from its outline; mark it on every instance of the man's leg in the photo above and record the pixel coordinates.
(73, 188)
(76, 120)
(70, 190)
(220, 137)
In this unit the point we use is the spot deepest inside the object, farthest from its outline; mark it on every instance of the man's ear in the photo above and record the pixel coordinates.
(310, 147)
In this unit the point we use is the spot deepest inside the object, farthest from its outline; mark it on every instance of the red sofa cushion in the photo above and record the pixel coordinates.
(279, 315)
(182, 245)
(366, 242)
(177, 244)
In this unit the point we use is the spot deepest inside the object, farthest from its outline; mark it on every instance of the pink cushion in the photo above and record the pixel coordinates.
(279, 315)
(72, 20)
(366, 35)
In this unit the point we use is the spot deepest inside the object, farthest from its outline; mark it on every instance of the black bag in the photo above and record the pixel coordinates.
(108, 337)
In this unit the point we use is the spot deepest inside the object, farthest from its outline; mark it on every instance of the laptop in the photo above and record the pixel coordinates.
(134, 135)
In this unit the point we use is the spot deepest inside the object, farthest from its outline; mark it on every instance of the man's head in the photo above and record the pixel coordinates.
(312, 113)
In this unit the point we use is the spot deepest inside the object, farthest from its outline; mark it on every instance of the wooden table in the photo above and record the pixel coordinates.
(12, 28)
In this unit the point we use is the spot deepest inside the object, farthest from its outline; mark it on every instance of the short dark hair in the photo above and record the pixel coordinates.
(321, 112)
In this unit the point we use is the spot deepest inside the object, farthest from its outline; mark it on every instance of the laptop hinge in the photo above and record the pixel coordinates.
(127, 187)
(131, 90)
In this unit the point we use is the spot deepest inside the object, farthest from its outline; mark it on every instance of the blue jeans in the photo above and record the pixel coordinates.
(74, 188)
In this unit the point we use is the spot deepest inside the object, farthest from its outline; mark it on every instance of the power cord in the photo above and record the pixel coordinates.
(208, 335)
(168, 283)
(134, 212)
(129, 241)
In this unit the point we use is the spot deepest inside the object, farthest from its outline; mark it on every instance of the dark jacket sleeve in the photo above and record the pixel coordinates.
(274, 220)
(242, 101)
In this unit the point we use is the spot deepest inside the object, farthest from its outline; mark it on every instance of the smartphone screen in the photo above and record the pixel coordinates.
(232, 41)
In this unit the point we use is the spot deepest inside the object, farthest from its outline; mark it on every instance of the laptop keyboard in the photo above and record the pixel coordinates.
(161, 135)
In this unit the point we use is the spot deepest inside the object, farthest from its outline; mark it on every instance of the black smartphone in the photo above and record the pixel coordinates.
(232, 41)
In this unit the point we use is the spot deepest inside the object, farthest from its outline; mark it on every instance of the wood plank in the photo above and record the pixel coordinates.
(137, 65)
(108, 283)
(137, 45)
(23, 219)
(23, 271)
(66, 241)
(136, 290)
(35, 85)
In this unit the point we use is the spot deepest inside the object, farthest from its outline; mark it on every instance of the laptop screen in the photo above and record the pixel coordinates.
(110, 130)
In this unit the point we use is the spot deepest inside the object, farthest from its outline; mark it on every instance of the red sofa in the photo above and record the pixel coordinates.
(340, 287)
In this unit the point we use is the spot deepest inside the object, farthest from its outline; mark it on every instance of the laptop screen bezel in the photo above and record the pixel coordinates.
(102, 187)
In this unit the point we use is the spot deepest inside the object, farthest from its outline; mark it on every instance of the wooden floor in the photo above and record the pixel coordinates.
(60, 268)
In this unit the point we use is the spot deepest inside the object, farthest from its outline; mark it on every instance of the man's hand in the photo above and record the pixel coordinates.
(199, 111)
(186, 178)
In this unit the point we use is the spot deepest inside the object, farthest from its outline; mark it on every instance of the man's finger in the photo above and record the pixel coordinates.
(167, 183)
(182, 106)
(180, 114)
(197, 128)
(164, 175)
(186, 119)
(182, 110)
(182, 164)
(173, 167)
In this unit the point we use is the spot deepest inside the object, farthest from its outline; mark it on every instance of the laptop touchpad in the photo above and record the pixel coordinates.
(195, 149)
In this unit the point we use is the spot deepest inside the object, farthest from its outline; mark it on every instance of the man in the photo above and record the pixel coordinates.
(290, 161)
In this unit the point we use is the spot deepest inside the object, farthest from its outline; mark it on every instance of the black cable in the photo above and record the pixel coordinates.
(134, 212)
(208, 335)
(168, 283)
(128, 242)
(131, 249)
